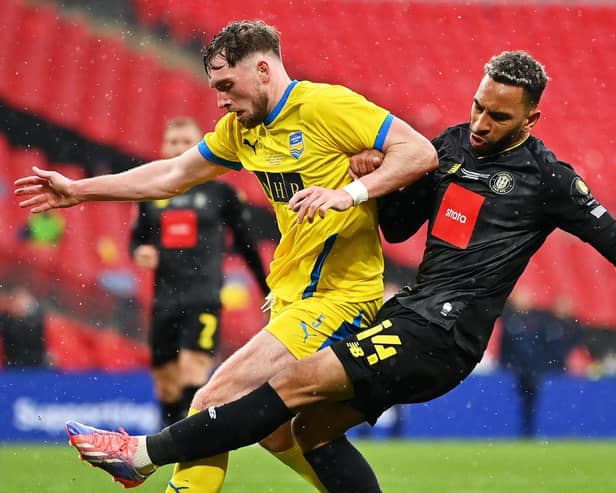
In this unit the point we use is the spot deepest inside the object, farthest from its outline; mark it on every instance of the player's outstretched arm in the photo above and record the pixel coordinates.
(160, 179)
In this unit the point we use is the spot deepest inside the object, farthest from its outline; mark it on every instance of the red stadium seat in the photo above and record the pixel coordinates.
(141, 88)
(69, 60)
(105, 98)
(12, 13)
(75, 346)
(181, 93)
(30, 47)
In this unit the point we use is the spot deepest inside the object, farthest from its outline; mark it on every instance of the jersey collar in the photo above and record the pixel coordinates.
(278, 108)
(510, 148)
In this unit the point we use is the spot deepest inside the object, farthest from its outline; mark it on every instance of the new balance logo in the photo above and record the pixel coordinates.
(355, 349)
(456, 216)
(212, 412)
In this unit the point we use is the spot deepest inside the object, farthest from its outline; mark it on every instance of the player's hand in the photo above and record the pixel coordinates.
(47, 190)
(365, 162)
(312, 200)
(146, 257)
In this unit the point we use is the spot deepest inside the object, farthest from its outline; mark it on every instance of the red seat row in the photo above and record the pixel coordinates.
(62, 71)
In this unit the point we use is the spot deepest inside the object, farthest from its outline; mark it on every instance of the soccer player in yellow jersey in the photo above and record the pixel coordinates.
(326, 274)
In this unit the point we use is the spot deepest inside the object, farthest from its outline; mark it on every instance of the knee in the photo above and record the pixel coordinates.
(214, 393)
(288, 385)
(302, 433)
(279, 441)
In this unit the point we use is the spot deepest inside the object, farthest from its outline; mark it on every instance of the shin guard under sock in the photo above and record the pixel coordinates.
(221, 428)
(342, 469)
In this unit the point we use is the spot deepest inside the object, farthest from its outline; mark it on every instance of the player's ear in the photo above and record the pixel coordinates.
(263, 70)
(532, 119)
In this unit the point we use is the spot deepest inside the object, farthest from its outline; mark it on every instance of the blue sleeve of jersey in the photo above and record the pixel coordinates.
(210, 156)
(383, 131)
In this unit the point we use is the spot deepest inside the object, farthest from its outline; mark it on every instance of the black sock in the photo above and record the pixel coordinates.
(342, 469)
(220, 429)
(170, 412)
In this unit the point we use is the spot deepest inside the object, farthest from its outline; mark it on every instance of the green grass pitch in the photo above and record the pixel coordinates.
(402, 467)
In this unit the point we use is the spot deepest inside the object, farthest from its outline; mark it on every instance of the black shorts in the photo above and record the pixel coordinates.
(402, 358)
(183, 326)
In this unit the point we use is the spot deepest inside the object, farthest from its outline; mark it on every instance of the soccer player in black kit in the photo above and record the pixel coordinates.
(496, 196)
(183, 240)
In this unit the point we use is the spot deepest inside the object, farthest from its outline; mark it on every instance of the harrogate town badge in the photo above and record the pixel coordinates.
(502, 182)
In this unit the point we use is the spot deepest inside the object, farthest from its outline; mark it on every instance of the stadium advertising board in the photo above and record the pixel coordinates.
(35, 405)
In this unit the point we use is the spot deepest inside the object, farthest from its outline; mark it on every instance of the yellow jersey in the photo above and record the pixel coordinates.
(306, 141)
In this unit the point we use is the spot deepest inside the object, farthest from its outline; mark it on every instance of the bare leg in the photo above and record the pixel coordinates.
(250, 366)
(246, 369)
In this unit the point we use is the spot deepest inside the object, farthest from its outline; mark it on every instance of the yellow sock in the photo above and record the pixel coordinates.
(294, 458)
(204, 475)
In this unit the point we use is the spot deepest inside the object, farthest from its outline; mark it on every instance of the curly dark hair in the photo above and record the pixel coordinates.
(518, 68)
(239, 39)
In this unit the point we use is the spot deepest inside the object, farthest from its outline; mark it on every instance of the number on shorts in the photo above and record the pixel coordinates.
(383, 344)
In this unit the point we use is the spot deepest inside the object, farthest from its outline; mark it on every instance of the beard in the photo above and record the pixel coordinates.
(259, 113)
(501, 144)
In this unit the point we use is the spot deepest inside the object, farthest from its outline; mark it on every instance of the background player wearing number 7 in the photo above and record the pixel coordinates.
(182, 240)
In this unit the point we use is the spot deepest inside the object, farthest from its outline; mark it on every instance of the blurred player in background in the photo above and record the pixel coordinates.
(22, 327)
(183, 240)
(496, 196)
(326, 277)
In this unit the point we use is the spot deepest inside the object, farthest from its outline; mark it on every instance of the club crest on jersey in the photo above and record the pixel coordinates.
(296, 144)
(502, 182)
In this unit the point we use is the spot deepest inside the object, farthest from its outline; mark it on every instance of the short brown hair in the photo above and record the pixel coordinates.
(239, 39)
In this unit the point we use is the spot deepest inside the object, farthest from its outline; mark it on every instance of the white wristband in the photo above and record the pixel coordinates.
(358, 192)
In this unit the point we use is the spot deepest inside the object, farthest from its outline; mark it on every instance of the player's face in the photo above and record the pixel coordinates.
(240, 90)
(179, 139)
(500, 117)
